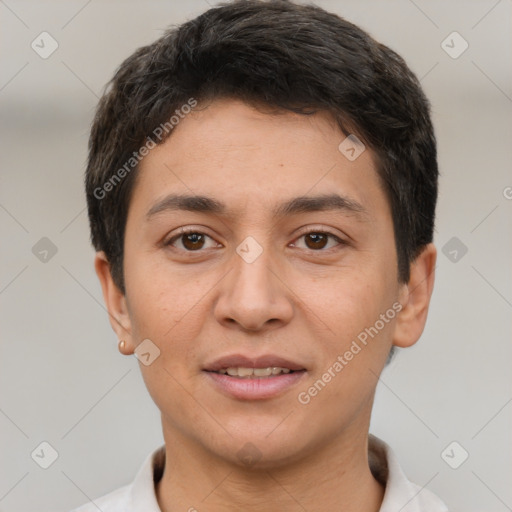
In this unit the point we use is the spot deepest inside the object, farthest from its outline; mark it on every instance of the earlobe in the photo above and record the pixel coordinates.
(115, 302)
(415, 298)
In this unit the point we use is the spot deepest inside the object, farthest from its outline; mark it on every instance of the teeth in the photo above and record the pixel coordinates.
(261, 372)
(245, 372)
(256, 372)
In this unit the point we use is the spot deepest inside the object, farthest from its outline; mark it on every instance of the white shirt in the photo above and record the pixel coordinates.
(400, 494)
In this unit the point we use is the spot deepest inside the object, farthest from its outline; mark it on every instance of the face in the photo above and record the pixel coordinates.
(307, 293)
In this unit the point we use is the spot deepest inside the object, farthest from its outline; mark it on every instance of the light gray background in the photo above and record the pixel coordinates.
(61, 377)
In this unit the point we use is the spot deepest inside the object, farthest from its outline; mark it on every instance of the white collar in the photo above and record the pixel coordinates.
(400, 494)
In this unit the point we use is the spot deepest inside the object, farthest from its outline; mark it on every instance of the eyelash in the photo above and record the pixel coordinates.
(188, 231)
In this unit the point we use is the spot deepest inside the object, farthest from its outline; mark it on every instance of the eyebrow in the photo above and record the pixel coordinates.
(297, 205)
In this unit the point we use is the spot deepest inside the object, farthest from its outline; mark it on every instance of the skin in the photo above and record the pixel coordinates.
(300, 300)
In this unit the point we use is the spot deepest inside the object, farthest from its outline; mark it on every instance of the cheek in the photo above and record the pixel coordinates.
(166, 309)
(350, 308)
(347, 299)
(161, 300)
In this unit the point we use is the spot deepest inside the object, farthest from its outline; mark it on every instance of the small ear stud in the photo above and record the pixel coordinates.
(121, 345)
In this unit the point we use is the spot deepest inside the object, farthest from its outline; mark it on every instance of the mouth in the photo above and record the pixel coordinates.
(254, 373)
(259, 378)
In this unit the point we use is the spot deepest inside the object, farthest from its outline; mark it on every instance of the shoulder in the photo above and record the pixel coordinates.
(427, 500)
(114, 501)
(136, 496)
(400, 493)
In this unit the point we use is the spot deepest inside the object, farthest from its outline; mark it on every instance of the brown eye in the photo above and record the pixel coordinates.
(190, 240)
(319, 240)
(193, 241)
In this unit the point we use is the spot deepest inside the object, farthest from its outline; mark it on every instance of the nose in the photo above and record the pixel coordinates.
(255, 295)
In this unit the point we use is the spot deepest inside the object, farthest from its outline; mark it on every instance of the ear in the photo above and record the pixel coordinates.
(115, 302)
(415, 298)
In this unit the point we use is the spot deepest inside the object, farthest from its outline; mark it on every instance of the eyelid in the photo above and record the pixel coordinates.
(319, 229)
(342, 241)
(185, 230)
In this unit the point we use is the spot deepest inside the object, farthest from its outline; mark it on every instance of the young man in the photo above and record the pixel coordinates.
(261, 187)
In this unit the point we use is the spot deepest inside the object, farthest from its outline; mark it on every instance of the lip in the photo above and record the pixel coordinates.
(258, 388)
(238, 360)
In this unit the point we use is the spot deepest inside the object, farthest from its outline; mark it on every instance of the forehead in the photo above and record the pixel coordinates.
(248, 159)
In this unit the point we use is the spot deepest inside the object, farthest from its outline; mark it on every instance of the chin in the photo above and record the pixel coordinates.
(255, 449)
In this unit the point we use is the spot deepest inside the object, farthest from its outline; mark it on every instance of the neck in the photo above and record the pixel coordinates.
(336, 476)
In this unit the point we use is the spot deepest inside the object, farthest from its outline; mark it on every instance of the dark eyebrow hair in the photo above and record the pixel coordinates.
(301, 204)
